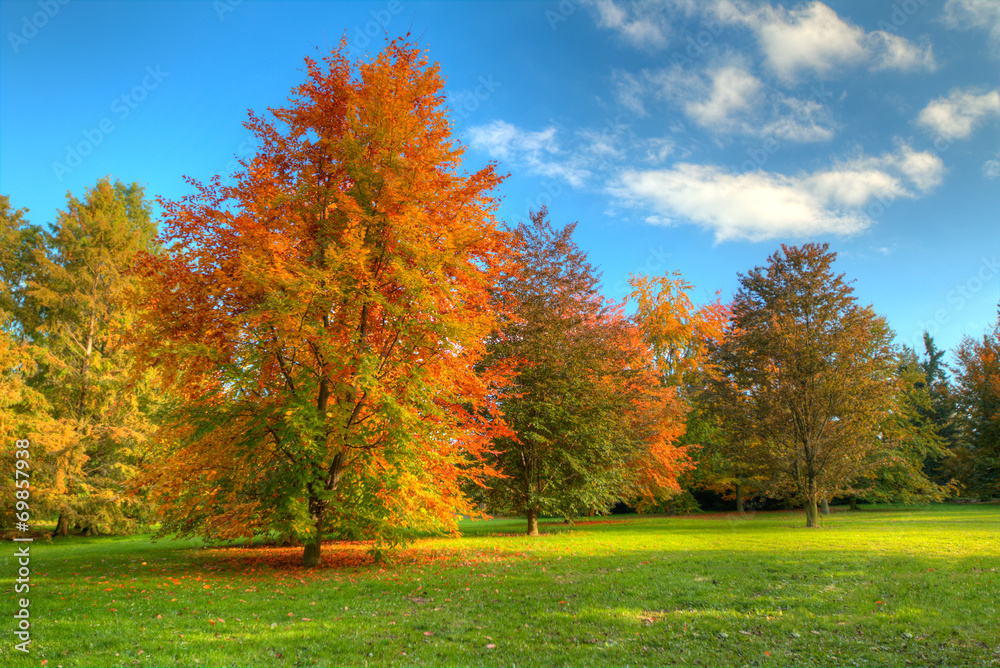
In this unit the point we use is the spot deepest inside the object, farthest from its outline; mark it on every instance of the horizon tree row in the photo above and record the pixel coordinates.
(344, 342)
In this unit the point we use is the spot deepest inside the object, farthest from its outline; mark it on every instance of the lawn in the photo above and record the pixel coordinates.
(881, 586)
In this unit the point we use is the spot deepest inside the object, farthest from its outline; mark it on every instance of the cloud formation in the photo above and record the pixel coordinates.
(814, 39)
(956, 116)
(538, 152)
(728, 99)
(977, 14)
(640, 24)
(759, 205)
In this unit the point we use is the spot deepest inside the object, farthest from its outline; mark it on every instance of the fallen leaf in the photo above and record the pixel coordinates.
(428, 633)
(491, 646)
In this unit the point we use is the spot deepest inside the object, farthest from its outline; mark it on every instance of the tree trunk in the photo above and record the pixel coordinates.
(739, 498)
(825, 508)
(532, 522)
(812, 519)
(311, 554)
(62, 526)
(854, 503)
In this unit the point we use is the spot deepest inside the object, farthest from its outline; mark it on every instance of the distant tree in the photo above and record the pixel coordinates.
(322, 319)
(806, 373)
(940, 411)
(678, 335)
(591, 424)
(19, 240)
(82, 290)
(909, 438)
(977, 385)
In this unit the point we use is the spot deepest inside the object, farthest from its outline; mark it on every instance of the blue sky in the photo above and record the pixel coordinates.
(690, 136)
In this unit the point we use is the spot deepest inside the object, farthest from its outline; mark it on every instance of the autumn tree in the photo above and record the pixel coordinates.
(82, 301)
(678, 336)
(977, 384)
(568, 448)
(806, 373)
(323, 317)
(19, 240)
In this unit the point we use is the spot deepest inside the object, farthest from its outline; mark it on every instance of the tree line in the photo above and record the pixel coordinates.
(342, 341)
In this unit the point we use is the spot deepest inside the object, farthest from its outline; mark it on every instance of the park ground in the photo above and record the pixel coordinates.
(881, 586)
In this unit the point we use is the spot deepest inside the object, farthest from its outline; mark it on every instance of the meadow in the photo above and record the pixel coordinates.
(880, 586)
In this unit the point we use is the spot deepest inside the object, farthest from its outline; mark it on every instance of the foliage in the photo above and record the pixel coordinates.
(977, 389)
(583, 405)
(806, 374)
(321, 319)
(85, 413)
(678, 336)
(912, 438)
(19, 240)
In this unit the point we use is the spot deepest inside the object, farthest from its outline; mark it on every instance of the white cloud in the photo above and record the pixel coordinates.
(728, 99)
(796, 120)
(811, 37)
(658, 149)
(538, 152)
(630, 92)
(892, 52)
(956, 116)
(923, 169)
(642, 25)
(760, 205)
(733, 90)
(991, 169)
(966, 15)
(814, 38)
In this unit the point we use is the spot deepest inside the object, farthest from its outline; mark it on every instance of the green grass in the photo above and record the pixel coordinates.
(892, 586)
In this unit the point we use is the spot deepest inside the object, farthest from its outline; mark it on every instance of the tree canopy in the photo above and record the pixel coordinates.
(322, 318)
(806, 375)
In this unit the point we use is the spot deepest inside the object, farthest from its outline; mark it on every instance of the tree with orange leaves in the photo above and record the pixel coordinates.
(978, 392)
(323, 319)
(677, 335)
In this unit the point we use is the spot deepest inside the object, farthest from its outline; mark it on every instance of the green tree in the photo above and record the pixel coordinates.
(19, 241)
(570, 404)
(909, 438)
(98, 409)
(807, 374)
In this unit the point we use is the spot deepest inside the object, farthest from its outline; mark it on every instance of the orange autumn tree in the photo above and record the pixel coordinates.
(323, 317)
(677, 335)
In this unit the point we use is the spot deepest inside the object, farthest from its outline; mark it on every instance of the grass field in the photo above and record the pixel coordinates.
(884, 586)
